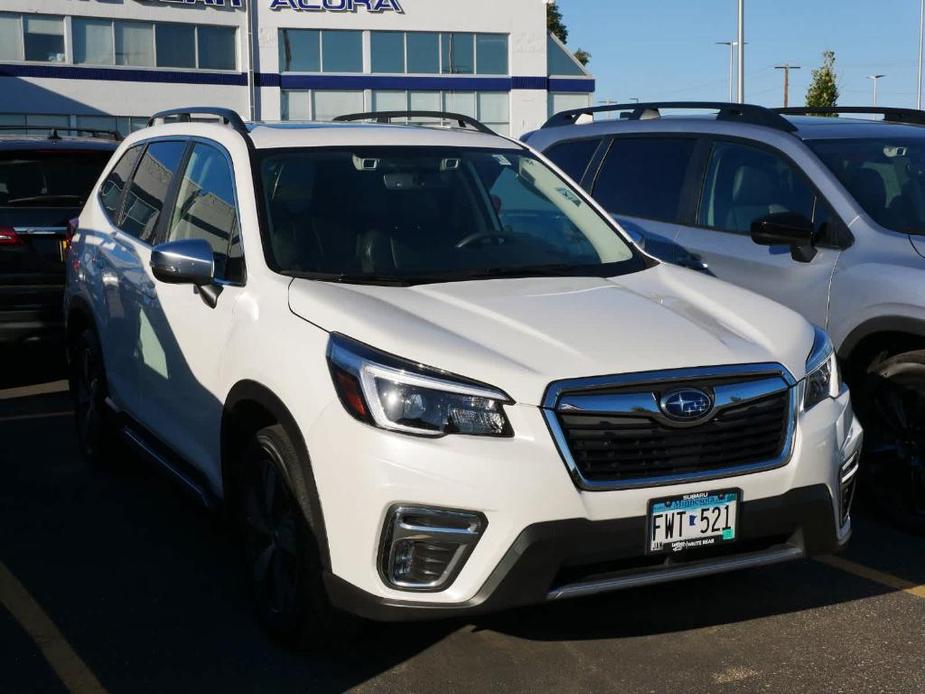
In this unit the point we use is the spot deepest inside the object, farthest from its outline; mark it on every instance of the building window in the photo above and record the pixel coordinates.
(559, 61)
(457, 53)
(320, 104)
(175, 45)
(564, 101)
(93, 41)
(387, 51)
(299, 50)
(491, 54)
(423, 53)
(342, 51)
(134, 44)
(491, 108)
(216, 48)
(43, 39)
(10, 37)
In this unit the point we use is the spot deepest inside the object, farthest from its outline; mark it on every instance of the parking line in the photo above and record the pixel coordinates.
(38, 389)
(71, 670)
(39, 415)
(885, 579)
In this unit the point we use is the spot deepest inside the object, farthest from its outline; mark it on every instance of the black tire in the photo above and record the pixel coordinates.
(281, 554)
(893, 414)
(97, 437)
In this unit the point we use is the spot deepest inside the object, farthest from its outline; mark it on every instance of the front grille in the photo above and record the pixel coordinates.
(619, 448)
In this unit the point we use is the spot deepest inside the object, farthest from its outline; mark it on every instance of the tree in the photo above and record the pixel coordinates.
(556, 26)
(823, 89)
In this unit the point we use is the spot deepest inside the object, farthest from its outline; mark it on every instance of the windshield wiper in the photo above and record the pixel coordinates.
(343, 278)
(556, 270)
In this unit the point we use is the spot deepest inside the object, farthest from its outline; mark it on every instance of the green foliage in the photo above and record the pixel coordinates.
(554, 22)
(823, 89)
(582, 57)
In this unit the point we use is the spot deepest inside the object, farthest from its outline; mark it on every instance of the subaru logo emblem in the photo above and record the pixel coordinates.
(686, 404)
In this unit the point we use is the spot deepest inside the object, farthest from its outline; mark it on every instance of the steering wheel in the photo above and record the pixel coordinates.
(482, 236)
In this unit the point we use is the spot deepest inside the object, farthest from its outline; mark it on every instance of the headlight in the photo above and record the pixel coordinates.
(822, 377)
(391, 393)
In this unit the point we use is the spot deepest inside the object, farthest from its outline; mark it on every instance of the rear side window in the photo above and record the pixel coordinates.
(114, 185)
(205, 208)
(573, 157)
(148, 189)
(644, 177)
(49, 179)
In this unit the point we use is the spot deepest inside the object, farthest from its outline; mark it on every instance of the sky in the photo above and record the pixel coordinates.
(666, 50)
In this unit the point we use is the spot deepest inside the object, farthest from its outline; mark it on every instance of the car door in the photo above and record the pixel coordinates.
(644, 181)
(744, 181)
(186, 403)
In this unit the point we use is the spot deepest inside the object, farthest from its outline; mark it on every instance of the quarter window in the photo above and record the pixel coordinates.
(148, 189)
(644, 177)
(205, 207)
(744, 184)
(114, 185)
(573, 157)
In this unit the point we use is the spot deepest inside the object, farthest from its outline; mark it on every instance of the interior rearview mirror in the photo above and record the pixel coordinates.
(786, 229)
(187, 262)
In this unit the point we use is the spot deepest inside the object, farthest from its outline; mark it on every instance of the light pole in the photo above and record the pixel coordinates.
(875, 78)
(741, 47)
(918, 86)
(787, 67)
(732, 61)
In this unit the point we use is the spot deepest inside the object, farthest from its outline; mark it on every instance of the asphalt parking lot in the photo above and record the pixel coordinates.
(116, 581)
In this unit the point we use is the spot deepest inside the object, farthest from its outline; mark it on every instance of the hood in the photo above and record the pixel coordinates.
(521, 334)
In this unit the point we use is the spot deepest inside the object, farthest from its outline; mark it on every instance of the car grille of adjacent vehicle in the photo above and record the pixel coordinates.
(606, 448)
(618, 436)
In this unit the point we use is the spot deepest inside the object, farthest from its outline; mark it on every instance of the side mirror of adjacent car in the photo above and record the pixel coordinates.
(190, 261)
(786, 229)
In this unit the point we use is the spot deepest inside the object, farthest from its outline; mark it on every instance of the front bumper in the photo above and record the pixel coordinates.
(545, 538)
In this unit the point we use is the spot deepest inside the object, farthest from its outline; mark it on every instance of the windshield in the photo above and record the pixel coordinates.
(886, 176)
(49, 179)
(413, 215)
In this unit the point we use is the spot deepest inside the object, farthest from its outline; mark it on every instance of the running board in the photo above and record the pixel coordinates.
(178, 470)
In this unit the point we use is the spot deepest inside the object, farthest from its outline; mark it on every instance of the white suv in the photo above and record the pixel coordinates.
(431, 376)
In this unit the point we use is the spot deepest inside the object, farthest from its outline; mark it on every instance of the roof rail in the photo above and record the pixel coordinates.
(388, 116)
(185, 115)
(743, 113)
(890, 115)
(54, 130)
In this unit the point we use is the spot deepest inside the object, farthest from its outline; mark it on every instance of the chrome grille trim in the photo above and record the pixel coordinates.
(582, 395)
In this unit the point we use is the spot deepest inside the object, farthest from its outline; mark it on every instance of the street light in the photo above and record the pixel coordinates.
(918, 86)
(875, 78)
(741, 47)
(732, 61)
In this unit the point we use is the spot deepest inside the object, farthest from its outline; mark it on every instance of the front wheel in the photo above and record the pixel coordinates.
(96, 435)
(894, 422)
(281, 553)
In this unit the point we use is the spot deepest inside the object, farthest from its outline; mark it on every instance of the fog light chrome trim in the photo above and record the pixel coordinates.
(847, 486)
(428, 530)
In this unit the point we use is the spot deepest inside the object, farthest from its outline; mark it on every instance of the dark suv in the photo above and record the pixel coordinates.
(44, 182)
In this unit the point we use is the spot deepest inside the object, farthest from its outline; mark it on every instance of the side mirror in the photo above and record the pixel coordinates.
(187, 262)
(786, 229)
(184, 262)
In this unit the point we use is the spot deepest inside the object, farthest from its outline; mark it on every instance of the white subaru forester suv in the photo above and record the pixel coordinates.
(430, 376)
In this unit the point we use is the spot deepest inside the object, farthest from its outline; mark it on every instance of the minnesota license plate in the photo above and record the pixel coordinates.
(705, 519)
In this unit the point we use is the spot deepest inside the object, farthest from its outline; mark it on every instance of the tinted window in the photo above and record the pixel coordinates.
(423, 53)
(342, 51)
(644, 177)
(205, 206)
(49, 179)
(573, 157)
(746, 183)
(388, 51)
(148, 189)
(111, 190)
(216, 48)
(176, 45)
(300, 50)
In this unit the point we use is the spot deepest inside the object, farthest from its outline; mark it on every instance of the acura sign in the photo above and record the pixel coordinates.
(374, 6)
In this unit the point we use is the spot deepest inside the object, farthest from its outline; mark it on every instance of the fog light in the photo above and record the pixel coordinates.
(847, 485)
(424, 549)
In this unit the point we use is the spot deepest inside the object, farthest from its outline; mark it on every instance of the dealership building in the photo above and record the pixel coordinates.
(111, 63)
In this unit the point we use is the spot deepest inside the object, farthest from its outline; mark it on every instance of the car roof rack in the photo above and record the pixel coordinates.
(742, 113)
(388, 116)
(54, 134)
(226, 116)
(890, 115)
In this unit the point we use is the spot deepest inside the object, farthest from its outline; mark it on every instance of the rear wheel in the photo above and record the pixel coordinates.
(281, 553)
(894, 420)
(96, 435)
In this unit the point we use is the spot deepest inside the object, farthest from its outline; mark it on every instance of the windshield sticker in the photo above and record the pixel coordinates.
(570, 196)
(501, 159)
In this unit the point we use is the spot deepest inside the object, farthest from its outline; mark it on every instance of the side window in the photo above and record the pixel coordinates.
(205, 209)
(745, 183)
(148, 189)
(111, 190)
(573, 157)
(644, 177)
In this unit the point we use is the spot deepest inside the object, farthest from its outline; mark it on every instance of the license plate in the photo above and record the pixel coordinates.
(705, 519)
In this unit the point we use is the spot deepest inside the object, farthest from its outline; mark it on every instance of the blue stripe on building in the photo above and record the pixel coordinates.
(72, 72)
